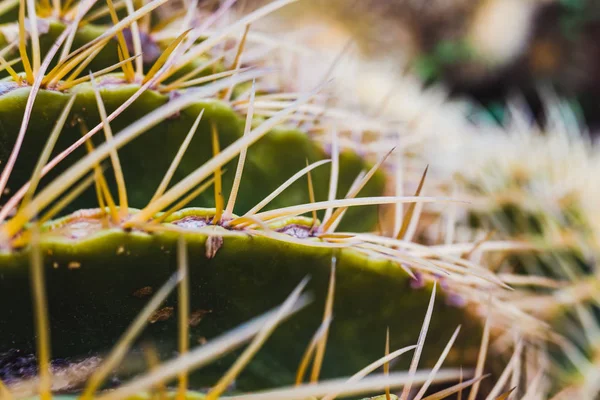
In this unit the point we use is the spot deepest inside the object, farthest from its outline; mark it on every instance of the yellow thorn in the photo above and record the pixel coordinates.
(56, 7)
(438, 365)
(177, 82)
(97, 170)
(175, 163)
(335, 172)
(137, 41)
(41, 316)
(482, 356)
(80, 68)
(213, 40)
(386, 366)
(47, 151)
(22, 44)
(114, 156)
(478, 244)
(145, 23)
(399, 166)
(68, 85)
(74, 15)
(103, 192)
(505, 395)
(68, 178)
(35, 39)
(238, 55)
(237, 61)
(99, 195)
(327, 225)
(310, 349)
(127, 68)
(168, 20)
(164, 56)
(240, 167)
(8, 67)
(420, 344)
(311, 195)
(460, 382)
(102, 12)
(411, 208)
(218, 183)
(114, 213)
(109, 33)
(346, 203)
(45, 4)
(456, 388)
(372, 367)
(184, 311)
(4, 392)
(510, 369)
(67, 5)
(198, 81)
(263, 203)
(320, 350)
(65, 66)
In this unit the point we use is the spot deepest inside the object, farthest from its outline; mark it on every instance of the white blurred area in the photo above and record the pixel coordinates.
(425, 125)
(370, 98)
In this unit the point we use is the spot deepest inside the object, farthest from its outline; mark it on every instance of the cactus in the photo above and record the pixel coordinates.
(172, 128)
(532, 218)
(145, 170)
(533, 187)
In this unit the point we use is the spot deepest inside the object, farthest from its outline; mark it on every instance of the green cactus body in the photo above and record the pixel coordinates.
(269, 163)
(96, 277)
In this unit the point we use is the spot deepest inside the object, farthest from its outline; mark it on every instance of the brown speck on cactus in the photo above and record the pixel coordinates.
(162, 314)
(196, 316)
(143, 292)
